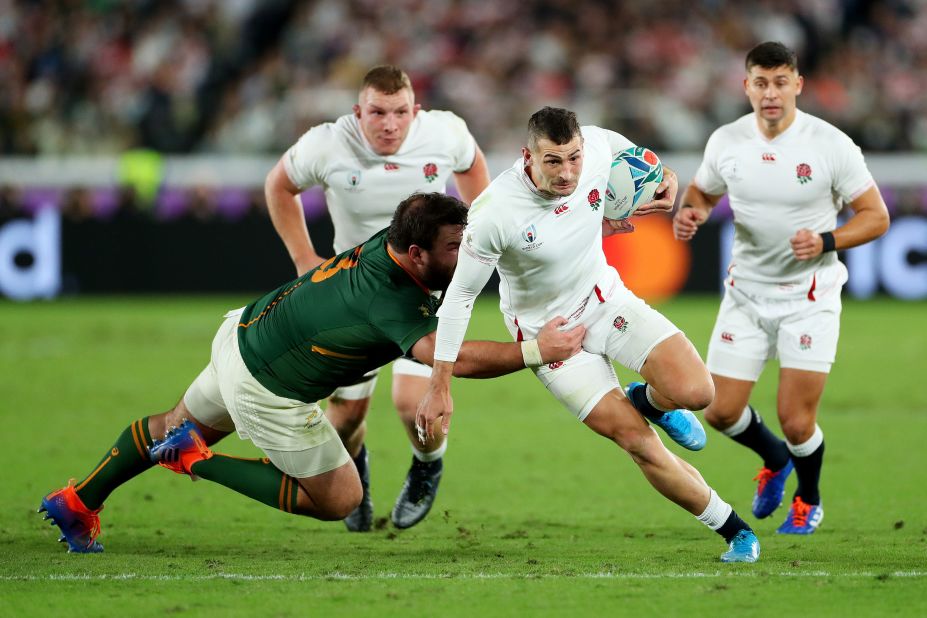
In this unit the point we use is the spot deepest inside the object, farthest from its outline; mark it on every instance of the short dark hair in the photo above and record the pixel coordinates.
(770, 55)
(387, 79)
(419, 217)
(554, 123)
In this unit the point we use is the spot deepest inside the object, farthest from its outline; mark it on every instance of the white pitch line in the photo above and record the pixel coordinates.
(69, 577)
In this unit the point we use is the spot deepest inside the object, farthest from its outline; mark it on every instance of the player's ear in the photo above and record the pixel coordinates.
(417, 255)
(526, 155)
(357, 111)
(801, 83)
(415, 109)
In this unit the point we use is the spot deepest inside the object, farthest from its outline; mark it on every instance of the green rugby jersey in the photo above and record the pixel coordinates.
(351, 314)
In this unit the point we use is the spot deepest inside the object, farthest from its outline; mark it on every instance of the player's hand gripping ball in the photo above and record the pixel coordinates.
(636, 173)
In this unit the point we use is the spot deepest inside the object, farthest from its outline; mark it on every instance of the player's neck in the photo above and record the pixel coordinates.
(771, 129)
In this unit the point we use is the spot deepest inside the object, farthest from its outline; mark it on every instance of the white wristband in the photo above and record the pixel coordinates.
(531, 353)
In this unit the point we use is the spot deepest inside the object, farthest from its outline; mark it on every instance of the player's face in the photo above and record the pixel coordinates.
(385, 118)
(772, 92)
(555, 168)
(439, 262)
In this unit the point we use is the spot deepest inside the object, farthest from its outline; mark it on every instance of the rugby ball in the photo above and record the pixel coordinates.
(636, 173)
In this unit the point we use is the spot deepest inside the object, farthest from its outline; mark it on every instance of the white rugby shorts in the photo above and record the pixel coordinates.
(752, 329)
(296, 436)
(622, 328)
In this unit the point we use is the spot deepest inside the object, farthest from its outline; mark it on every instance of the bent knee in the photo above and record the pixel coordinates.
(636, 441)
(697, 396)
(341, 504)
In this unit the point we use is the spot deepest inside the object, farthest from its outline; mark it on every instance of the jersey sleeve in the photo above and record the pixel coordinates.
(708, 177)
(484, 238)
(401, 319)
(463, 145)
(483, 245)
(851, 176)
(304, 161)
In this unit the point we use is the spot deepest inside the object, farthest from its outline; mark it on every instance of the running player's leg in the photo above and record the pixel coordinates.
(642, 339)
(347, 410)
(586, 385)
(410, 383)
(807, 346)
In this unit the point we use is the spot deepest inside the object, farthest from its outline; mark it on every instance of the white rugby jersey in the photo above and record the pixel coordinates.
(362, 188)
(800, 179)
(548, 251)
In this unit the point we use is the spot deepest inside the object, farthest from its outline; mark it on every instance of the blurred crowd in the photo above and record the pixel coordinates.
(249, 76)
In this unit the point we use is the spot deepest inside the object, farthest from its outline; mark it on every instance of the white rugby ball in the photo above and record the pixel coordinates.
(636, 173)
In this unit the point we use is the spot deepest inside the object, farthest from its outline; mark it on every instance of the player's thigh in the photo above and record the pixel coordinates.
(626, 329)
(674, 368)
(798, 398)
(740, 343)
(580, 382)
(348, 406)
(203, 402)
(809, 333)
(410, 383)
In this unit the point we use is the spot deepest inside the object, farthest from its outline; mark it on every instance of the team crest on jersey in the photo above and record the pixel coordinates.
(803, 173)
(594, 199)
(804, 342)
(352, 180)
(314, 418)
(431, 171)
(426, 310)
(530, 236)
(620, 324)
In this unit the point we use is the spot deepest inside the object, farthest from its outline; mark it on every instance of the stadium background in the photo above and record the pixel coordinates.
(135, 136)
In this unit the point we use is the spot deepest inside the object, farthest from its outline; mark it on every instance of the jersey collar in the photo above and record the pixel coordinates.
(794, 128)
(417, 281)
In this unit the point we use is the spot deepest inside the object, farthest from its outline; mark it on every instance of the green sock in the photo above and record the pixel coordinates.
(256, 478)
(127, 459)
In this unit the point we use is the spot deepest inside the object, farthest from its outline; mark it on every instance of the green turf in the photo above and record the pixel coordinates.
(536, 515)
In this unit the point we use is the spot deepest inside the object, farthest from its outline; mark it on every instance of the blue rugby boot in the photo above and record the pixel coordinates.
(181, 447)
(803, 518)
(680, 425)
(769, 490)
(79, 526)
(744, 547)
(418, 493)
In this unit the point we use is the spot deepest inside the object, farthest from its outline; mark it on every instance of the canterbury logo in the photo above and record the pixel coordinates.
(562, 208)
(727, 337)
(390, 167)
(769, 157)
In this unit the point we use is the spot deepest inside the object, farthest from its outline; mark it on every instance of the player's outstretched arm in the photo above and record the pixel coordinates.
(694, 211)
(490, 359)
(869, 221)
(286, 213)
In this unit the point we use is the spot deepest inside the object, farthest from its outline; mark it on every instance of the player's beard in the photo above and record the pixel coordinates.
(438, 277)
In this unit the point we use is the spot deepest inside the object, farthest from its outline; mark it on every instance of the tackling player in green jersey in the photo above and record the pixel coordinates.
(272, 362)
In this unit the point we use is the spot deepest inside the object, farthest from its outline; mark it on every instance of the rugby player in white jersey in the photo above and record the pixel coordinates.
(367, 162)
(540, 225)
(787, 175)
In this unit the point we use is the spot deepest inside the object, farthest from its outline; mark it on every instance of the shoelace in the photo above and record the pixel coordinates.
(800, 512)
(90, 520)
(763, 476)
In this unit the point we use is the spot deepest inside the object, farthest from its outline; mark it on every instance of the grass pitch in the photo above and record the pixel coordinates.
(536, 515)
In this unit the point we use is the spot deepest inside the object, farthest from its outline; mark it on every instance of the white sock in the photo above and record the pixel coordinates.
(716, 513)
(649, 392)
(809, 446)
(740, 425)
(434, 455)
